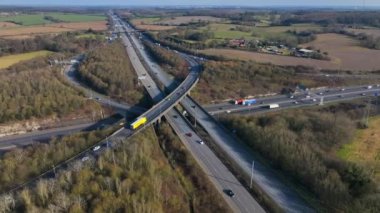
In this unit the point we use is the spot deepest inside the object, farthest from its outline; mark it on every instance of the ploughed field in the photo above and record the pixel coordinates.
(28, 25)
(344, 52)
(30, 31)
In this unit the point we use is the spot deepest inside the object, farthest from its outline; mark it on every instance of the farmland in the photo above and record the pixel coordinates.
(71, 17)
(30, 31)
(158, 24)
(39, 19)
(226, 31)
(7, 24)
(25, 20)
(7, 61)
(365, 148)
(148, 24)
(29, 25)
(174, 21)
(345, 53)
(369, 31)
(152, 27)
(142, 21)
(186, 19)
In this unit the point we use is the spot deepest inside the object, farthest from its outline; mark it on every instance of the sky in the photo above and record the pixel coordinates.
(254, 3)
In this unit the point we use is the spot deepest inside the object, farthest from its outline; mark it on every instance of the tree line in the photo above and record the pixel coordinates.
(326, 18)
(300, 143)
(134, 177)
(237, 79)
(172, 62)
(64, 42)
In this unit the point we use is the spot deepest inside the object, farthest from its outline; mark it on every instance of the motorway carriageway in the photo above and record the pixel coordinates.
(264, 177)
(219, 175)
(153, 114)
(282, 195)
(333, 95)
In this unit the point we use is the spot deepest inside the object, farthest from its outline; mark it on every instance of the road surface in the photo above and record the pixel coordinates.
(301, 100)
(13, 141)
(220, 176)
(287, 198)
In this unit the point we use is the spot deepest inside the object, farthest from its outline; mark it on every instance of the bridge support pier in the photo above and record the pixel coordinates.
(321, 102)
(159, 120)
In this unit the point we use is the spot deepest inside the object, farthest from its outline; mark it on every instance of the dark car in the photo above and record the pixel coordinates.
(229, 192)
(189, 134)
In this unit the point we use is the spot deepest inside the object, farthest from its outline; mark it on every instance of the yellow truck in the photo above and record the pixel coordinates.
(138, 122)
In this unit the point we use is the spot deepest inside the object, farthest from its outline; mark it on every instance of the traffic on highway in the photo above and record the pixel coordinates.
(318, 97)
(233, 191)
(207, 159)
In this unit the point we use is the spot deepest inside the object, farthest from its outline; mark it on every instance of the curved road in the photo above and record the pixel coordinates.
(220, 176)
(267, 179)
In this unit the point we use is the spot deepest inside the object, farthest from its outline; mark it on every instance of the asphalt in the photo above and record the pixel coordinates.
(267, 179)
(163, 103)
(220, 176)
(14, 141)
(300, 100)
(10, 142)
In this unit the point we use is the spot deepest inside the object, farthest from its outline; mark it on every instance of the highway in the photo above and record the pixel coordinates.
(153, 114)
(14, 141)
(164, 104)
(300, 100)
(11, 142)
(219, 175)
(267, 179)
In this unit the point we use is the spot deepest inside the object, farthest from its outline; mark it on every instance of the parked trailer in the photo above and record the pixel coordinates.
(138, 122)
(249, 102)
(273, 106)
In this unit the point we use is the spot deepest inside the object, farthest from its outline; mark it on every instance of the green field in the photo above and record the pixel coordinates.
(71, 17)
(223, 31)
(90, 35)
(26, 20)
(364, 149)
(150, 20)
(7, 61)
(38, 19)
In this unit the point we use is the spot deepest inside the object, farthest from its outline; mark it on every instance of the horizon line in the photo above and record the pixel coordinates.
(192, 5)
